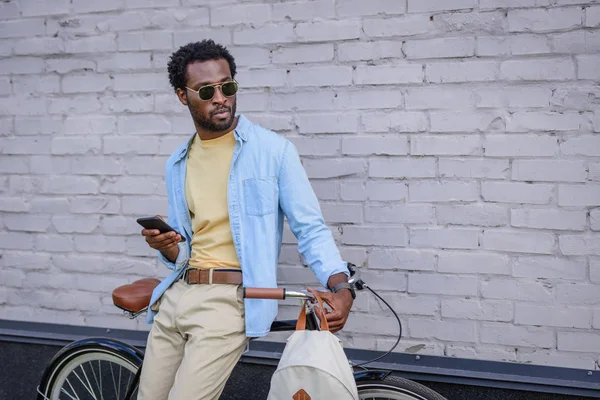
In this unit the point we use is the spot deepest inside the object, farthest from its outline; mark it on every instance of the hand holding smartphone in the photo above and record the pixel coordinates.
(158, 224)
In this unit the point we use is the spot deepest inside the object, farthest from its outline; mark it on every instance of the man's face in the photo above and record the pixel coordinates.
(218, 113)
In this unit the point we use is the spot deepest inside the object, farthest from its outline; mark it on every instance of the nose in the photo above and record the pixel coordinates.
(219, 97)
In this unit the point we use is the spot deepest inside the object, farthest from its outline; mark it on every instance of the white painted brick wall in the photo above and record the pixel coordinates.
(454, 145)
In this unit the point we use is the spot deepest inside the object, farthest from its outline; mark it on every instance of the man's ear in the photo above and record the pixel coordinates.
(182, 95)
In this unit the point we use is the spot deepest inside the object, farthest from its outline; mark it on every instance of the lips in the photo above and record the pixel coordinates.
(221, 113)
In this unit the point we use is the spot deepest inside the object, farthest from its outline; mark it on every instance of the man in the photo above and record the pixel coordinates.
(229, 188)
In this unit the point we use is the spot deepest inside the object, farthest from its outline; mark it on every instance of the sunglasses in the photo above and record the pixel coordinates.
(207, 92)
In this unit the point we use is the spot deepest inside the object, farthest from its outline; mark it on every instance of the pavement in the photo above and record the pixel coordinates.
(23, 364)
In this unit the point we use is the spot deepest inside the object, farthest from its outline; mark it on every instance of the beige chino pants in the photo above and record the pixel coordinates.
(198, 336)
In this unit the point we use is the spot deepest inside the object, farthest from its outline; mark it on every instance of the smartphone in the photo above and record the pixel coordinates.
(159, 224)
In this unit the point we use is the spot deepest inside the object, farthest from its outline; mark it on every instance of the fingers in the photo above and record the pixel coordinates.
(161, 241)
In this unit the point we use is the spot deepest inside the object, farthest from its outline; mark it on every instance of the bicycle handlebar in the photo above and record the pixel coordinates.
(275, 294)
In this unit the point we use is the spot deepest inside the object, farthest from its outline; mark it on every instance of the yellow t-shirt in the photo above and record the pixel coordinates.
(206, 180)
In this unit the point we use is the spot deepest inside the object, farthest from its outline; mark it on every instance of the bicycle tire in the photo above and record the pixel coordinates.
(86, 366)
(395, 388)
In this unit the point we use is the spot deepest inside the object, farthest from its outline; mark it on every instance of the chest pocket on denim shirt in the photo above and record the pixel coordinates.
(260, 195)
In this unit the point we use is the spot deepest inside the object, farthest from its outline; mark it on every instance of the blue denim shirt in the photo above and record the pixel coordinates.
(266, 183)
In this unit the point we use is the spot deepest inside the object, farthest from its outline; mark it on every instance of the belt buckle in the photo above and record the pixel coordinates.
(186, 276)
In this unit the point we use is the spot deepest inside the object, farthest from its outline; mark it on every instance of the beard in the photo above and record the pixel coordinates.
(209, 125)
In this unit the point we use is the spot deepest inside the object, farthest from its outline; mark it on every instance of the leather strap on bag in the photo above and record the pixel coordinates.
(301, 324)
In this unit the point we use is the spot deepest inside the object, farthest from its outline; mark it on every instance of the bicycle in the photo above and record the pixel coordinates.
(104, 368)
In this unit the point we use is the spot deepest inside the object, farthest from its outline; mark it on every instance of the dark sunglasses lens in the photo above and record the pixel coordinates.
(206, 92)
(229, 88)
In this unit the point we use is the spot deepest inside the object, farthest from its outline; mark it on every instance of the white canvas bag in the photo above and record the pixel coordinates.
(313, 365)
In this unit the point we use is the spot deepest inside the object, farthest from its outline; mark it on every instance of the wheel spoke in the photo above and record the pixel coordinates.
(65, 392)
(83, 383)
(113, 378)
(96, 378)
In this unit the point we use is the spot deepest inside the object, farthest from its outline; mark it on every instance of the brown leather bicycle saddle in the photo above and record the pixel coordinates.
(135, 296)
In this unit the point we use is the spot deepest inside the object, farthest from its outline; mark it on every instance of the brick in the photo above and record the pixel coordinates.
(578, 341)
(446, 238)
(316, 31)
(124, 62)
(75, 224)
(509, 335)
(50, 165)
(73, 105)
(82, 6)
(440, 284)
(381, 49)
(549, 170)
(86, 125)
(130, 145)
(565, 317)
(574, 293)
(586, 66)
(95, 44)
(65, 65)
(472, 214)
(21, 65)
(446, 145)
(487, 46)
(314, 146)
(369, 99)
(425, 6)
(493, 4)
(430, 191)
(86, 83)
(538, 70)
(409, 25)
(99, 244)
(399, 214)
(401, 259)
(50, 205)
(595, 219)
(95, 205)
(473, 262)
(548, 219)
(586, 145)
(326, 190)
(133, 185)
(464, 331)
(439, 48)
(143, 124)
(97, 165)
(327, 123)
(544, 20)
(141, 82)
(36, 84)
(333, 168)
(386, 190)
(14, 165)
(240, 14)
(462, 71)
(592, 16)
(147, 40)
(473, 168)
(266, 77)
(513, 97)
(26, 106)
(375, 145)
(543, 121)
(119, 225)
(128, 103)
(302, 54)
(596, 319)
(320, 76)
(439, 97)
(39, 45)
(342, 213)
(383, 74)
(386, 325)
(488, 22)
(466, 122)
(25, 260)
(527, 145)
(9, 10)
(299, 100)
(275, 33)
(402, 167)
(75, 145)
(22, 28)
(578, 195)
(579, 245)
(26, 145)
(16, 241)
(357, 8)
(379, 236)
(151, 3)
(594, 172)
(220, 35)
(517, 289)
(70, 185)
(397, 121)
(274, 122)
(13, 204)
(482, 310)
(303, 11)
(542, 267)
(519, 242)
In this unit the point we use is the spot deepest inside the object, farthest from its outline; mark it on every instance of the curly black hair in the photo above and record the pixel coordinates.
(205, 50)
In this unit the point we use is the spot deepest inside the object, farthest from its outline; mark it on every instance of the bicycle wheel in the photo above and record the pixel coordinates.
(92, 373)
(395, 388)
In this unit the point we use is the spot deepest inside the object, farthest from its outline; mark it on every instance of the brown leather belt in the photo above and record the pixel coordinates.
(193, 276)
